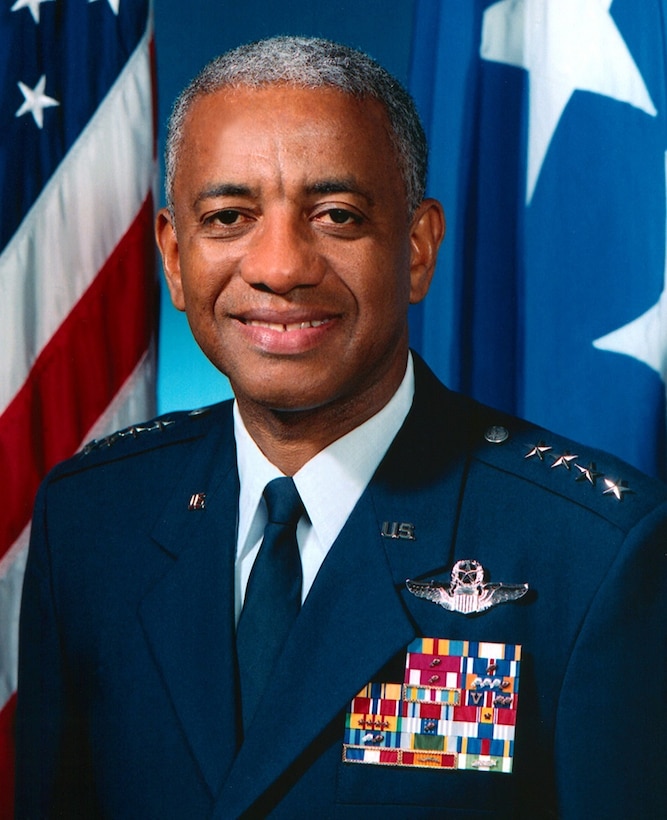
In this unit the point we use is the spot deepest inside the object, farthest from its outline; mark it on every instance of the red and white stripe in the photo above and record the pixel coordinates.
(77, 282)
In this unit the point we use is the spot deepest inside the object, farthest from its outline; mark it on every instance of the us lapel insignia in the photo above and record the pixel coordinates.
(456, 709)
(396, 529)
(467, 593)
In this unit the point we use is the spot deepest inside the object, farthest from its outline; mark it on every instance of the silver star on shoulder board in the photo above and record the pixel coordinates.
(538, 451)
(616, 488)
(589, 473)
(563, 460)
(467, 593)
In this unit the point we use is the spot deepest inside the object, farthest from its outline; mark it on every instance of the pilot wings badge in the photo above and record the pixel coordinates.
(467, 593)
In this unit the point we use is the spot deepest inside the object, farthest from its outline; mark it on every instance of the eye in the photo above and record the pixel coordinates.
(340, 216)
(227, 222)
(229, 216)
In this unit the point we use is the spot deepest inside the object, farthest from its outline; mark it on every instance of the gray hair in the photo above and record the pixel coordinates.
(310, 63)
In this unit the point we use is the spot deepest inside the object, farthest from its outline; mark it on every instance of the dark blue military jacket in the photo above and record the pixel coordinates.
(127, 703)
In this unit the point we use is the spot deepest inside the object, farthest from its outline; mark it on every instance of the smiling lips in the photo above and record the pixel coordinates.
(286, 328)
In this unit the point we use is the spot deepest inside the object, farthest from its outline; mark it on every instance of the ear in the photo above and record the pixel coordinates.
(165, 236)
(426, 234)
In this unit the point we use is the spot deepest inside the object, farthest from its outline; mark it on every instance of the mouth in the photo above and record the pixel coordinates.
(286, 328)
(296, 334)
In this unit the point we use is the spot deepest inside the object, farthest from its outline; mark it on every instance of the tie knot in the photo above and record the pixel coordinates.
(283, 501)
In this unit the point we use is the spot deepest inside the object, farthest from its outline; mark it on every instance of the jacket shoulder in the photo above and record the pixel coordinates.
(168, 430)
(517, 456)
(549, 463)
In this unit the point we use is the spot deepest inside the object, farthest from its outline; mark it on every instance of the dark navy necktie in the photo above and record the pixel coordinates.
(273, 594)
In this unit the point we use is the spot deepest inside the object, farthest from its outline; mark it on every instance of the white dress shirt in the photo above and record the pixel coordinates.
(330, 484)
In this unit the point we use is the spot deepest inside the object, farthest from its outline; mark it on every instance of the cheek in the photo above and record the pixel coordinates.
(204, 282)
(387, 287)
(377, 269)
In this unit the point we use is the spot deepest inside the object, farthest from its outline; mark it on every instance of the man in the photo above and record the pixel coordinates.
(460, 615)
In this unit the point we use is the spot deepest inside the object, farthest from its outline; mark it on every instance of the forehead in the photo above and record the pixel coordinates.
(321, 129)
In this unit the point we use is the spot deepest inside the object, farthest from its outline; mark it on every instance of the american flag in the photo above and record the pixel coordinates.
(547, 121)
(77, 264)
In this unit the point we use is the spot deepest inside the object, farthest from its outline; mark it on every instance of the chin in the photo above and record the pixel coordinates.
(290, 395)
(283, 385)
(290, 403)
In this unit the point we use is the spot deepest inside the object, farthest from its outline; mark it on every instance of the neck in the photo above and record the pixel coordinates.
(290, 438)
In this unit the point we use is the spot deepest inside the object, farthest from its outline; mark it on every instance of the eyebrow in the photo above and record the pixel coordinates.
(337, 185)
(224, 189)
(333, 185)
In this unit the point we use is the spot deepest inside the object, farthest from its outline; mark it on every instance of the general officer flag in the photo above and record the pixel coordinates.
(77, 267)
(547, 126)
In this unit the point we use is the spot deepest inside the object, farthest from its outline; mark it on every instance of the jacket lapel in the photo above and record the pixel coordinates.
(421, 483)
(188, 617)
(332, 651)
(357, 615)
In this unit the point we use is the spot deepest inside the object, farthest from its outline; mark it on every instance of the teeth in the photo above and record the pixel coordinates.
(286, 328)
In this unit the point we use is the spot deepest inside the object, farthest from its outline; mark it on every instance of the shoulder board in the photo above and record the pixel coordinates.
(134, 431)
(589, 477)
(150, 433)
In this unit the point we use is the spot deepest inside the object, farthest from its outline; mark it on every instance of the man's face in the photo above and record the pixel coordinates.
(292, 251)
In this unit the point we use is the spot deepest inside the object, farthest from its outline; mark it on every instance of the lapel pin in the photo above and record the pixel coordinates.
(197, 501)
(467, 593)
(394, 529)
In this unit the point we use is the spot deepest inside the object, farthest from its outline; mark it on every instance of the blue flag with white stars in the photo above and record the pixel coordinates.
(547, 127)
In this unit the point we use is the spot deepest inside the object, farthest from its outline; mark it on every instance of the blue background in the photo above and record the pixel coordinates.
(188, 35)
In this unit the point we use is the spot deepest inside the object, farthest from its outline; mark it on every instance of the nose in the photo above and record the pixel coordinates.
(281, 254)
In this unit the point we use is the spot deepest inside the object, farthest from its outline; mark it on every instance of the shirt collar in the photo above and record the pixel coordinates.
(331, 483)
